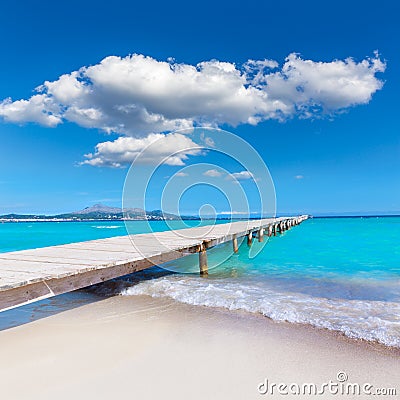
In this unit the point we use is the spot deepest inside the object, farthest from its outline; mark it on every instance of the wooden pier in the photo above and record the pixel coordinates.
(31, 275)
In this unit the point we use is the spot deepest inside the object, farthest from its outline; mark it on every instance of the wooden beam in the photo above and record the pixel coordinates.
(16, 296)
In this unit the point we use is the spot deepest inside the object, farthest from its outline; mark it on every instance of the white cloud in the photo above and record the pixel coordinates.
(234, 213)
(299, 177)
(139, 96)
(310, 87)
(241, 176)
(124, 150)
(213, 173)
(181, 174)
(39, 108)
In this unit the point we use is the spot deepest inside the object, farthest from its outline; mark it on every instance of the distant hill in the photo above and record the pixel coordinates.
(99, 212)
(99, 208)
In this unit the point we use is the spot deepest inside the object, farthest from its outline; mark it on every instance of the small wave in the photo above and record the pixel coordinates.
(370, 320)
(106, 227)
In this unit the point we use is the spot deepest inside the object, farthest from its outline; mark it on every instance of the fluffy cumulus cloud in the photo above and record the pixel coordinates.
(139, 97)
(171, 149)
(39, 108)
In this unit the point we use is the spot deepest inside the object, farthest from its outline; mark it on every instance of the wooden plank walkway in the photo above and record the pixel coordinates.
(32, 275)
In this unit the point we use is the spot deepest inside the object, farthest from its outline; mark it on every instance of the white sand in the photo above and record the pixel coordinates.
(144, 348)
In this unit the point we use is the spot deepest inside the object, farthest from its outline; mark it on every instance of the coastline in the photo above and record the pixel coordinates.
(150, 348)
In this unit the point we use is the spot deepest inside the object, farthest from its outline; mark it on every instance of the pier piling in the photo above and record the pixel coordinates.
(261, 235)
(235, 244)
(203, 264)
(249, 238)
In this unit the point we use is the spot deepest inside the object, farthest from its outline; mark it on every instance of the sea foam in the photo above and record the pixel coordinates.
(106, 226)
(370, 320)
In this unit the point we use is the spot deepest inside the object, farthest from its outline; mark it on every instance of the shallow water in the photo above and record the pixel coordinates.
(337, 273)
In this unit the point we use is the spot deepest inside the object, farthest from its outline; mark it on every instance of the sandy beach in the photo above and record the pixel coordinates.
(140, 347)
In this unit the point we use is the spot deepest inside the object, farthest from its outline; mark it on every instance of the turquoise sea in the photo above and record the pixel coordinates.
(342, 274)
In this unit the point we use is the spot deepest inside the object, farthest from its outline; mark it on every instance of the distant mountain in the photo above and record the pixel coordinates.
(99, 212)
(98, 208)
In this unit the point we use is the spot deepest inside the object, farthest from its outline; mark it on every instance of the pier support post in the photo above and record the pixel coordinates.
(235, 244)
(270, 229)
(275, 229)
(203, 261)
(261, 235)
(249, 238)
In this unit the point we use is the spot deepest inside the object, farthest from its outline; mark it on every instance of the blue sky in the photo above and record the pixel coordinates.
(342, 163)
